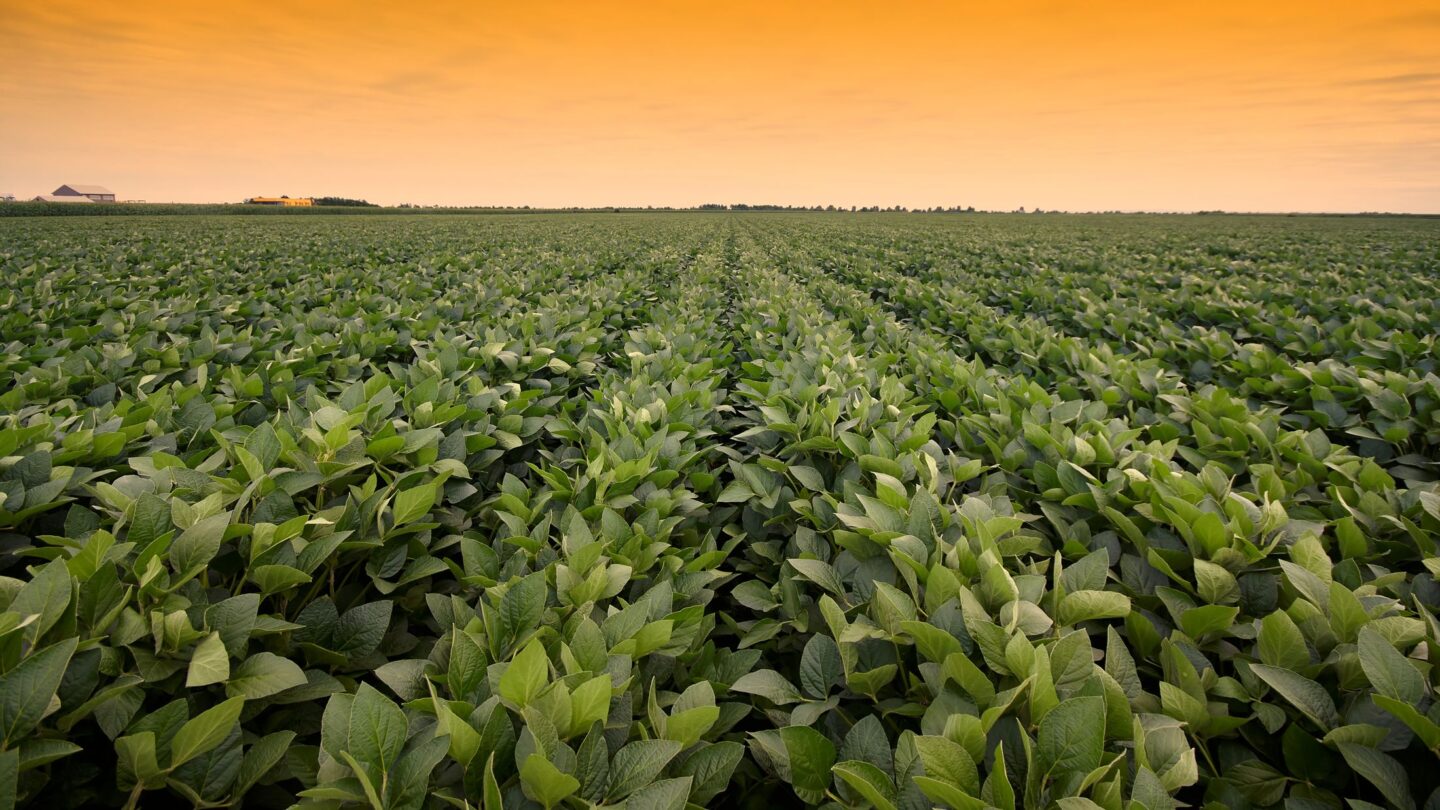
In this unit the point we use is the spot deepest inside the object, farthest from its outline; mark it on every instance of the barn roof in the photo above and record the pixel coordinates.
(86, 189)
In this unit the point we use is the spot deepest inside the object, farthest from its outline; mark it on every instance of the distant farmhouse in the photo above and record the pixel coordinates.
(92, 193)
(284, 201)
(63, 198)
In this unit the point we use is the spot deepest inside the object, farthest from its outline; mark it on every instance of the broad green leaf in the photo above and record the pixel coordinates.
(46, 595)
(869, 781)
(664, 794)
(686, 727)
(260, 758)
(1084, 606)
(210, 663)
(1280, 643)
(522, 606)
(769, 684)
(589, 703)
(377, 729)
(198, 545)
(1072, 736)
(811, 757)
(1382, 771)
(637, 764)
(820, 666)
(1208, 620)
(26, 690)
(1302, 693)
(949, 762)
(711, 767)
(1426, 729)
(545, 783)
(204, 731)
(136, 754)
(414, 503)
(262, 675)
(1389, 672)
(526, 675)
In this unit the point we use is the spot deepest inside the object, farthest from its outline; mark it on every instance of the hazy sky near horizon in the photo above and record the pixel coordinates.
(1159, 105)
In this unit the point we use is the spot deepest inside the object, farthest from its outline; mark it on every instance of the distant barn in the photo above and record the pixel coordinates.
(63, 198)
(285, 201)
(92, 193)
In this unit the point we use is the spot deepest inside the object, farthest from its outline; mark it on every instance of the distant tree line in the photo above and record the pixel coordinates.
(345, 201)
(954, 209)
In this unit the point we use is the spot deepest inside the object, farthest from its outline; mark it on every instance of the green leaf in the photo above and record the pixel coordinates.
(261, 758)
(210, 663)
(959, 668)
(936, 644)
(205, 731)
(1424, 727)
(945, 793)
(150, 518)
(1382, 771)
(273, 579)
(46, 595)
(522, 606)
(637, 764)
(9, 778)
(234, 619)
(811, 756)
(948, 762)
(869, 781)
(407, 785)
(1281, 644)
(1207, 620)
(1304, 694)
(264, 444)
(589, 703)
(1388, 671)
(198, 545)
(136, 756)
(490, 792)
(821, 573)
(1072, 736)
(26, 690)
(414, 503)
(1084, 606)
(711, 766)
(686, 727)
(666, 794)
(769, 684)
(1210, 531)
(39, 751)
(262, 675)
(360, 629)
(820, 666)
(1214, 583)
(378, 729)
(592, 764)
(808, 477)
(526, 675)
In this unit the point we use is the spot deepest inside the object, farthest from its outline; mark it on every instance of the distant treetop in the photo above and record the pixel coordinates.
(345, 201)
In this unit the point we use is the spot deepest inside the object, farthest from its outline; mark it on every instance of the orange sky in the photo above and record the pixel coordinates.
(1156, 105)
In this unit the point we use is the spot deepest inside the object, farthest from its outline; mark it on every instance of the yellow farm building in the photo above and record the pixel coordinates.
(285, 201)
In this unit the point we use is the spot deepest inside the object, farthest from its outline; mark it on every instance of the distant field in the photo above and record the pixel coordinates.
(32, 208)
(719, 510)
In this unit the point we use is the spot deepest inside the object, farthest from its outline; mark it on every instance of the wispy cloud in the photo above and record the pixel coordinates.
(1421, 18)
(1399, 79)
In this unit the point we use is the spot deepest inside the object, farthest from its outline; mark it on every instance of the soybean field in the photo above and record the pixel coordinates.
(666, 511)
